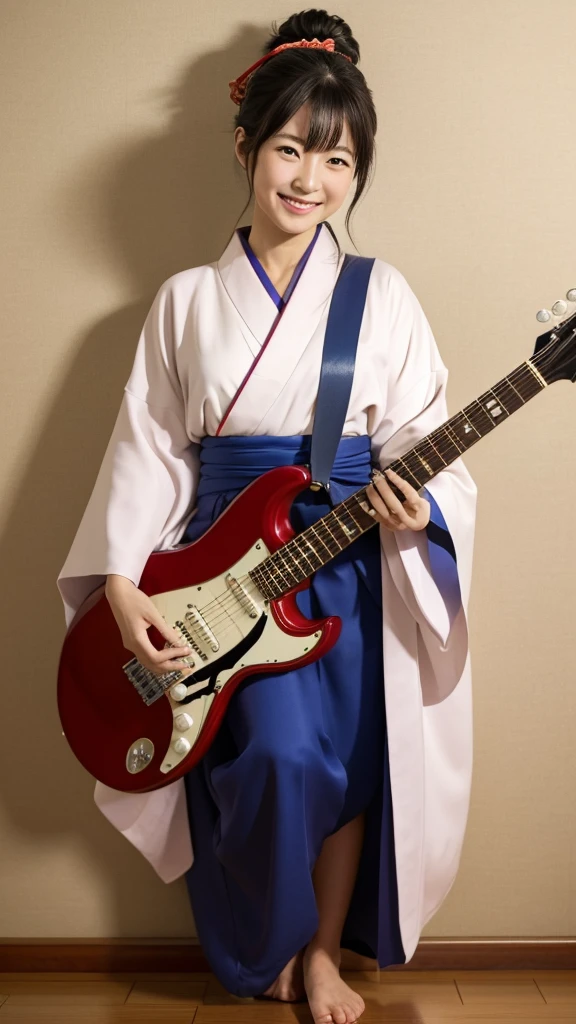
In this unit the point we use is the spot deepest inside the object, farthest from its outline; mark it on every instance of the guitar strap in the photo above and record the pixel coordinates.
(338, 360)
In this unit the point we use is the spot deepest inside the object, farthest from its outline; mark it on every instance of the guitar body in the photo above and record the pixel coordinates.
(134, 746)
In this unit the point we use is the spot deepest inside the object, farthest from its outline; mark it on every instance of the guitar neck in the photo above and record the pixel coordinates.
(320, 543)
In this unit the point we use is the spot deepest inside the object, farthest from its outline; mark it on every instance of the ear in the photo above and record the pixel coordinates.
(239, 137)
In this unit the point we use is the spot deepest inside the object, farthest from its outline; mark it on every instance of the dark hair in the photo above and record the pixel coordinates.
(335, 89)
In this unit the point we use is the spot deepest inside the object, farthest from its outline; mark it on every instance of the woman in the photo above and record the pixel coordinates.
(330, 810)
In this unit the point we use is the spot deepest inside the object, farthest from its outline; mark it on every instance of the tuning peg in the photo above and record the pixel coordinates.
(560, 307)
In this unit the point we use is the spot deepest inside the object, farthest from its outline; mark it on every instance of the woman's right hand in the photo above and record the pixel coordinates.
(135, 613)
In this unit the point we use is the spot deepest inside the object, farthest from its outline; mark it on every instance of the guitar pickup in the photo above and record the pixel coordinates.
(197, 623)
(242, 596)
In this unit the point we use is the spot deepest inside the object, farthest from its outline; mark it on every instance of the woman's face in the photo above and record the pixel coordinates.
(319, 181)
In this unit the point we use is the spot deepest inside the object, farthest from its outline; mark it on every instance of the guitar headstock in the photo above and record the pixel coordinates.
(555, 351)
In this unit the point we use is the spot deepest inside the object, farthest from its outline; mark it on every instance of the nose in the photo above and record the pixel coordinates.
(307, 181)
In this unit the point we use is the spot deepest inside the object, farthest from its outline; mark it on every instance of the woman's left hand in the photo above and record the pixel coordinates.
(389, 511)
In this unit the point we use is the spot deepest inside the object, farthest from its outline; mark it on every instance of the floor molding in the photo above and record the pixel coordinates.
(182, 955)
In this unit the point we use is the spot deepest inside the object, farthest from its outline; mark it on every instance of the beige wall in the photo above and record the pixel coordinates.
(117, 171)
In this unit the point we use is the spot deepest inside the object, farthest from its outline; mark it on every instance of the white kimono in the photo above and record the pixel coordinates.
(201, 336)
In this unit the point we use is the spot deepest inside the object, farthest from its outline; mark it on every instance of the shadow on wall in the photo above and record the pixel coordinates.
(170, 201)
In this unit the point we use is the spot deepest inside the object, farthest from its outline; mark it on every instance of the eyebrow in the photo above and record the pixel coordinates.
(296, 138)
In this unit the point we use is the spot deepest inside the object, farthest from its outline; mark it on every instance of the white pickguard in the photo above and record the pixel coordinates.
(229, 621)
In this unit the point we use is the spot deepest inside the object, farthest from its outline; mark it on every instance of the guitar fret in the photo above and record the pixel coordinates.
(349, 531)
(437, 452)
(315, 531)
(451, 441)
(366, 520)
(303, 553)
(278, 569)
(425, 464)
(487, 414)
(332, 534)
(324, 527)
(294, 567)
(469, 421)
(405, 465)
(514, 398)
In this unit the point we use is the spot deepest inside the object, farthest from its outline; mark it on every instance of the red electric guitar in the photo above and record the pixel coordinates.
(231, 597)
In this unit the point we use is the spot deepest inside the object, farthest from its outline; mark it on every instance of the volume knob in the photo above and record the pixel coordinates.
(178, 691)
(181, 745)
(183, 722)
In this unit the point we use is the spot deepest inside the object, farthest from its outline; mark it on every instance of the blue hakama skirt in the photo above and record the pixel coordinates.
(299, 754)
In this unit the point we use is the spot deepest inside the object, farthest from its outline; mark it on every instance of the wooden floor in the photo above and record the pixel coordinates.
(435, 997)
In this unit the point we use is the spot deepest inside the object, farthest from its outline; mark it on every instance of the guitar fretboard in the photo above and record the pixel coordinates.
(300, 557)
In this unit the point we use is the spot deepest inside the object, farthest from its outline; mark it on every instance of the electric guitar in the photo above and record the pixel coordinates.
(231, 597)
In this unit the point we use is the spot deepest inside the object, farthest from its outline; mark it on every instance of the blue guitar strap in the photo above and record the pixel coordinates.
(338, 360)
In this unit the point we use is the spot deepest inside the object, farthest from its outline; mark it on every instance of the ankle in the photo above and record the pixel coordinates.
(320, 949)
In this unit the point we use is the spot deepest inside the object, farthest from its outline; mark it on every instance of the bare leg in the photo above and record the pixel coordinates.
(331, 1000)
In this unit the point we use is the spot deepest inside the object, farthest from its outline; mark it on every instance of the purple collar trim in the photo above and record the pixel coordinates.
(279, 300)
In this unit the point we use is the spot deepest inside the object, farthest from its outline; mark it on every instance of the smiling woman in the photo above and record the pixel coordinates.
(329, 811)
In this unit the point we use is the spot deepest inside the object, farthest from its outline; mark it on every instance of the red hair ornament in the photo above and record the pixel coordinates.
(239, 85)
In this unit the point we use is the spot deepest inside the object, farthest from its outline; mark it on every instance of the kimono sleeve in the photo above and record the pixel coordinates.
(147, 482)
(431, 568)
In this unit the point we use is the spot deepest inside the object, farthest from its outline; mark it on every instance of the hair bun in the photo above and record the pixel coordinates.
(316, 24)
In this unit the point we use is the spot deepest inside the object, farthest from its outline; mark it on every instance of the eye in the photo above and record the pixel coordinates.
(290, 149)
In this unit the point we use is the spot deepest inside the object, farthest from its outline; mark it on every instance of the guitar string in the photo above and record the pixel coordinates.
(521, 375)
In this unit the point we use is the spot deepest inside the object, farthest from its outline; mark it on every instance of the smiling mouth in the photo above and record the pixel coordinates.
(301, 204)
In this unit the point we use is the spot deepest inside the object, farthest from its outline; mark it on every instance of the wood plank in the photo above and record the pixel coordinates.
(417, 1000)
(167, 993)
(555, 992)
(62, 993)
(500, 992)
(96, 1015)
(507, 976)
(398, 978)
(255, 1013)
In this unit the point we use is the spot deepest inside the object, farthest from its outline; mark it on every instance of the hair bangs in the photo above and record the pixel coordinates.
(327, 118)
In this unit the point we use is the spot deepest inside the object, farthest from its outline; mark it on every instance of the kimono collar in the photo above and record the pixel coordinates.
(280, 300)
(256, 306)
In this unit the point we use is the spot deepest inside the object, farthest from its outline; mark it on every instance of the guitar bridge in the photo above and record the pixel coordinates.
(148, 684)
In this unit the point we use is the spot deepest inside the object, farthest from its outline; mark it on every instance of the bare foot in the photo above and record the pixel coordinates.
(331, 1000)
(289, 985)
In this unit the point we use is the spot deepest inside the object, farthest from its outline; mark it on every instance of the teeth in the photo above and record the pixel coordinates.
(301, 206)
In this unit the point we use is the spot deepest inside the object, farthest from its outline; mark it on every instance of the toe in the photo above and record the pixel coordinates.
(340, 1016)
